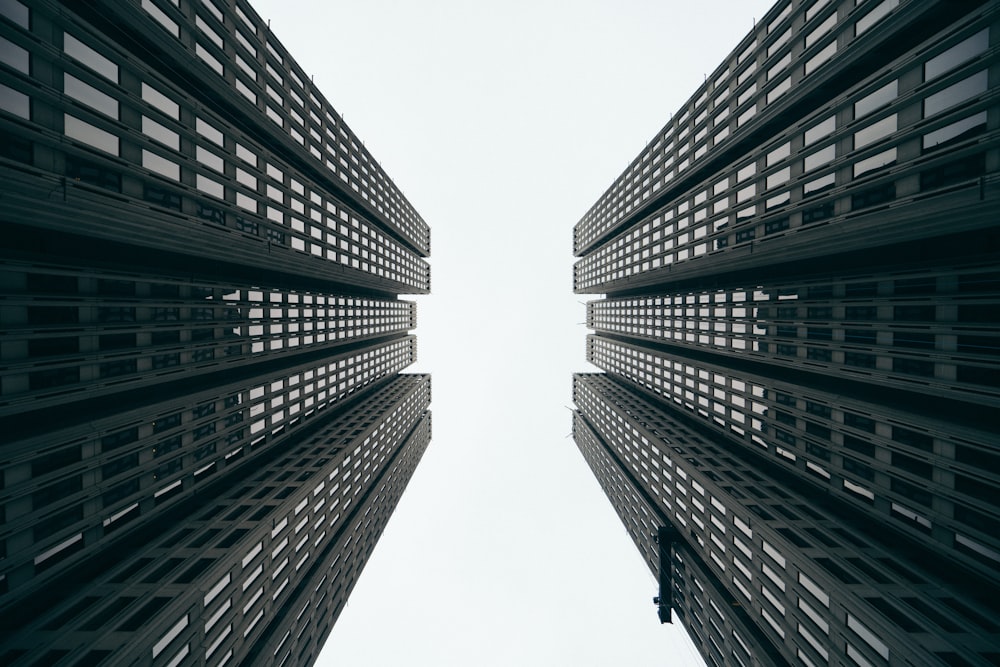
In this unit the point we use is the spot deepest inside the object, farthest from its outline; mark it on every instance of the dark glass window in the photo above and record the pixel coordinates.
(112, 314)
(784, 399)
(92, 173)
(121, 491)
(914, 313)
(275, 236)
(211, 213)
(966, 169)
(203, 431)
(986, 313)
(817, 451)
(861, 336)
(16, 148)
(117, 341)
(854, 290)
(911, 465)
(979, 375)
(817, 213)
(166, 446)
(819, 333)
(911, 491)
(859, 445)
(913, 439)
(859, 360)
(819, 313)
(775, 226)
(913, 366)
(784, 417)
(116, 440)
(819, 354)
(167, 422)
(874, 196)
(248, 226)
(203, 410)
(119, 465)
(162, 197)
(56, 491)
(115, 368)
(55, 460)
(861, 312)
(920, 341)
(858, 468)
(53, 523)
(817, 430)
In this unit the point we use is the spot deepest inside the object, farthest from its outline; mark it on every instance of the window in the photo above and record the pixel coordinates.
(875, 131)
(956, 93)
(209, 131)
(778, 154)
(15, 11)
(161, 165)
(158, 132)
(821, 129)
(819, 158)
(208, 59)
(155, 98)
(821, 57)
(876, 99)
(89, 57)
(877, 161)
(15, 56)
(958, 54)
(868, 636)
(17, 103)
(874, 16)
(75, 128)
(210, 159)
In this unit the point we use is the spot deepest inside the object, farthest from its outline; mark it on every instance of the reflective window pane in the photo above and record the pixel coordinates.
(820, 158)
(88, 134)
(966, 49)
(155, 98)
(956, 93)
(89, 57)
(87, 94)
(15, 11)
(875, 131)
(15, 102)
(876, 99)
(958, 131)
(15, 56)
(156, 131)
(820, 130)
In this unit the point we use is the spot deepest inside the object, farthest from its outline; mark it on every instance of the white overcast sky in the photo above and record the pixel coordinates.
(502, 123)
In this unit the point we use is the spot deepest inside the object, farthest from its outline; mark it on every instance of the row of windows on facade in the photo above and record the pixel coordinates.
(209, 537)
(281, 405)
(651, 242)
(268, 324)
(747, 422)
(343, 237)
(381, 192)
(622, 439)
(637, 184)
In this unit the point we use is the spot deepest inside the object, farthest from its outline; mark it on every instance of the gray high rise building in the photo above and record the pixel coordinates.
(203, 425)
(798, 421)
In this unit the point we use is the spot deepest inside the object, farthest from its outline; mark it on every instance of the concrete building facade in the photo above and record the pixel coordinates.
(799, 341)
(205, 428)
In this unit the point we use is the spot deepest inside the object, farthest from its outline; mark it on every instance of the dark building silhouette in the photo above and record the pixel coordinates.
(203, 425)
(798, 421)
